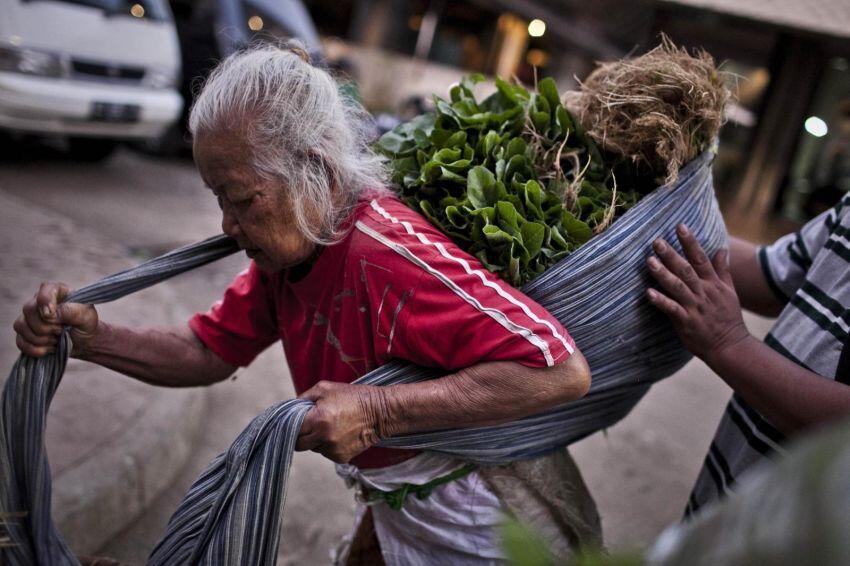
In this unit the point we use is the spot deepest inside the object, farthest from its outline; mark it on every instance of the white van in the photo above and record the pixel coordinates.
(93, 71)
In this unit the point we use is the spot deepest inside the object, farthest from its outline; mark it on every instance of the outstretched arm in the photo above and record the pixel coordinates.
(700, 299)
(168, 356)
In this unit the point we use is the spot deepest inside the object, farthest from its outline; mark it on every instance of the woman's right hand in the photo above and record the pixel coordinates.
(42, 319)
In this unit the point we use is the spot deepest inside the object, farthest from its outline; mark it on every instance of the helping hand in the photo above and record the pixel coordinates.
(700, 296)
(344, 422)
(40, 324)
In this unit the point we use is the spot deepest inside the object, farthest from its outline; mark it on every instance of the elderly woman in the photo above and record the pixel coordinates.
(347, 278)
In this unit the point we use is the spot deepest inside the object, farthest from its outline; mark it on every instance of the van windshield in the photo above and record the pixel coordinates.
(150, 9)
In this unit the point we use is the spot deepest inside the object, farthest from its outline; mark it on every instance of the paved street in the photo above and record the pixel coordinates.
(147, 206)
(640, 471)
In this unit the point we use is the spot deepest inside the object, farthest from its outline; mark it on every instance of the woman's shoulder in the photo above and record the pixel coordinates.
(385, 219)
(386, 209)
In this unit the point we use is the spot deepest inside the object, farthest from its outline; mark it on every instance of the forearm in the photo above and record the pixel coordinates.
(791, 397)
(166, 356)
(485, 394)
(752, 287)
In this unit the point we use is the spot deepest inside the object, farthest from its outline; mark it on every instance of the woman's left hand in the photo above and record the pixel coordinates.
(699, 295)
(344, 422)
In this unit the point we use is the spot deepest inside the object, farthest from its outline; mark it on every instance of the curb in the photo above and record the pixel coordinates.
(99, 498)
(114, 444)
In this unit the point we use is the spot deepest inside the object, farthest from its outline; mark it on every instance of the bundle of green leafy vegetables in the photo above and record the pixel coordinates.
(514, 179)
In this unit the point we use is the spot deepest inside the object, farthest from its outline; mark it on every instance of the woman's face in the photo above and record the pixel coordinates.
(255, 212)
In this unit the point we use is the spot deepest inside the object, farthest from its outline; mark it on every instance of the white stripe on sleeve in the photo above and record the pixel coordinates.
(477, 272)
(493, 313)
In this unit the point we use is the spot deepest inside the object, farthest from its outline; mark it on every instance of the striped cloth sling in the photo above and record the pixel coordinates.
(232, 513)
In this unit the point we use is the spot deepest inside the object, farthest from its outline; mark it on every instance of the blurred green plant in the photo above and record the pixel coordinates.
(513, 179)
(523, 547)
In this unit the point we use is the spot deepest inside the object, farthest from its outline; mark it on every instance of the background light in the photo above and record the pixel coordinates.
(536, 28)
(138, 10)
(537, 58)
(816, 126)
(255, 23)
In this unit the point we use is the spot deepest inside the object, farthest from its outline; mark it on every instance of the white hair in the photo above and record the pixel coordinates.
(299, 129)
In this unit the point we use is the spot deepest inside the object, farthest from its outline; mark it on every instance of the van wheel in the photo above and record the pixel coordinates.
(90, 149)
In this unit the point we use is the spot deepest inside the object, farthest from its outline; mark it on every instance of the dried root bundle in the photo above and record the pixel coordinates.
(659, 110)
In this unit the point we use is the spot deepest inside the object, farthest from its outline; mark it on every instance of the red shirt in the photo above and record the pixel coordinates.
(394, 287)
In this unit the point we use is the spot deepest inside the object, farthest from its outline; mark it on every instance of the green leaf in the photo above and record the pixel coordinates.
(468, 153)
(496, 237)
(488, 143)
(424, 122)
(439, 137)
(395, 142)
(549, 90)
(517, 164)
(447, 175)
(557, 240)
(456, 217)
(430, 172)
(597, 216)
(584, 203)
(540, 120)
(578, 231)
(514, 272)
(507, 217)
(588, 189)
(481, 187)
(447, 155)
(422, 157)
(542, 105)
(487, 213)
(468, 83)
(507, 90)
(533, 199)
(564, 120)
(458, 139)
(420, 137)
(446, 110)
(501, 166)
(554, 255)
(516, 146)
(429, 213)
(532, 237)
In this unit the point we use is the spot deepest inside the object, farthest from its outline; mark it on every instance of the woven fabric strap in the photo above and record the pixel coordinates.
(232, 513)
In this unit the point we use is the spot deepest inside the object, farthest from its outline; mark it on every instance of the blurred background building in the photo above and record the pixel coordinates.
(785, 154)
(784, 157)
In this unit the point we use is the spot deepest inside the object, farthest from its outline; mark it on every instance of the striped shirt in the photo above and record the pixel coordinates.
(809, 271)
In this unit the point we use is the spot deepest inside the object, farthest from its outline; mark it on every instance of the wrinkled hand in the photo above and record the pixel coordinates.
(40, 324)
(345, 421)
(699, 296)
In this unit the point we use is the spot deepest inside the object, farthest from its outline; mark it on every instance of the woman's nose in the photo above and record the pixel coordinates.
(229, 224)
